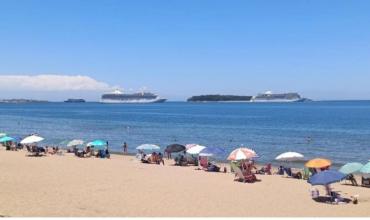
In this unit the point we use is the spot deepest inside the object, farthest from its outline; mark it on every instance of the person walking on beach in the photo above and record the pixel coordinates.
(124, 148)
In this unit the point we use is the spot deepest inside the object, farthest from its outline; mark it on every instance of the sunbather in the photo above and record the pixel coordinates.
(265, 170)
(213, 167)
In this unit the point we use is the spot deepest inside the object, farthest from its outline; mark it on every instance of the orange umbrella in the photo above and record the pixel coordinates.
(318, 163)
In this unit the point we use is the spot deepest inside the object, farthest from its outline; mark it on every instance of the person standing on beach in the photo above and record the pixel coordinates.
(124, 148)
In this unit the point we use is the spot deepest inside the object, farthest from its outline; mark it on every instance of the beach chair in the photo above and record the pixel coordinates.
(352, 179)
(239, 176)
(365, 182)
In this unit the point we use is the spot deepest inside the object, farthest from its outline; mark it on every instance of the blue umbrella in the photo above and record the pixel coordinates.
(212, 152)
(98, 144)
(326, 177)
(6, 139)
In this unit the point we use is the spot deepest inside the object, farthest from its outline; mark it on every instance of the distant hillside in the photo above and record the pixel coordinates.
(219, 98)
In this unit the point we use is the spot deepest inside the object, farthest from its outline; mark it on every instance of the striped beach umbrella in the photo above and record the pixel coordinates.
(318, 163)
(242, 154)
(351, 168)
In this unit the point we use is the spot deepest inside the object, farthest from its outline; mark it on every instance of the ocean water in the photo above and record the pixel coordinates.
(338, 130)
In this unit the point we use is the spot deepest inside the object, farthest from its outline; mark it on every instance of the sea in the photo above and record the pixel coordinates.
(337, 130)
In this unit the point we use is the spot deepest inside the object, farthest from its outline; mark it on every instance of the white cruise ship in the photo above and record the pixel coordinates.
(283, 97)
(142, 97)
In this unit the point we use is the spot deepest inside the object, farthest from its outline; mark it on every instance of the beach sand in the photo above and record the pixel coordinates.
(122, 186)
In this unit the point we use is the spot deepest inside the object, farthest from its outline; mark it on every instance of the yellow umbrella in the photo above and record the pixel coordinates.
(318, 163)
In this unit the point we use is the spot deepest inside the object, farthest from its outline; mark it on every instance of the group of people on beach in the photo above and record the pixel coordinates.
(154, 157)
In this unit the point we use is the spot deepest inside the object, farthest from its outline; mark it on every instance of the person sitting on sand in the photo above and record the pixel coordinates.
(153, 158)
(213, 167)
(50, 150)
(13, 147)
(280, 170)
(144, 158)
(160, 159)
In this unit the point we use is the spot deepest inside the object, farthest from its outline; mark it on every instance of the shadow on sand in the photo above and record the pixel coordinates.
(326, 199)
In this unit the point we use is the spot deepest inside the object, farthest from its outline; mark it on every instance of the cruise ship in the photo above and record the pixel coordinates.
(142, 97)
(283, 97)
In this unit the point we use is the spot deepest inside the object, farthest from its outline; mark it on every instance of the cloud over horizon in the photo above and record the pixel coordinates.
(50, 82)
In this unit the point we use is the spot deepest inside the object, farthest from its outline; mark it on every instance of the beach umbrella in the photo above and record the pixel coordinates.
(318, 163)
(6, 139)
(365, 169)
(97, 144)
(326, 177)
(195, 149)
(211, 152)
(351, 168)
(242, 154)
(289, 156)
(32, 139)
(148, 147)
(75, 143)
(174, 148)
(188, 146)
(2, 134)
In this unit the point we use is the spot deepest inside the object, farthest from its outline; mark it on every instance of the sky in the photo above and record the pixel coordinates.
(58, 49)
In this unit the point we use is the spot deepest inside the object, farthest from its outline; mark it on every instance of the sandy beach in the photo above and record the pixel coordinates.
(122, 186)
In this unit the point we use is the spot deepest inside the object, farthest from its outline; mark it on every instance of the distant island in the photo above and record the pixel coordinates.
(75, 101)
(21, 101)
(262, 97)
(219, 98)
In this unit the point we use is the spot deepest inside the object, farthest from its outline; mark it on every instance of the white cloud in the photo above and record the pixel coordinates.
(51, 83)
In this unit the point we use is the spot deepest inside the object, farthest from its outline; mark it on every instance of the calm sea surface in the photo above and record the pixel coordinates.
(339, 131)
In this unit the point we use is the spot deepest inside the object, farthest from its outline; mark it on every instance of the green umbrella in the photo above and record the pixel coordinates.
(365, 169)
(6, 139)
(351, 168)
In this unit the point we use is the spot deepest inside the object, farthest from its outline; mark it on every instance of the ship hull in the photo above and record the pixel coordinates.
(134, 101)
(277, 100)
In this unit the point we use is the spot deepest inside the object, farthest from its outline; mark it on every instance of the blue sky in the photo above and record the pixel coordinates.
(320, 49)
